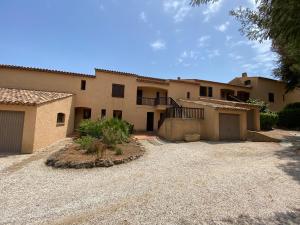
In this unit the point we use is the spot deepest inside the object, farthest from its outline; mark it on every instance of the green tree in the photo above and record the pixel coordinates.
(278, 21)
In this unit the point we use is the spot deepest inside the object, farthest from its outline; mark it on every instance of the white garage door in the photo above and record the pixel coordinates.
(11, 131)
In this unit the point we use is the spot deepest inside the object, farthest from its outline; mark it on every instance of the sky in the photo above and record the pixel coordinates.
(157, 38)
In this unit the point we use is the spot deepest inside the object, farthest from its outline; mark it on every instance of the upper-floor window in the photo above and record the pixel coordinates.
(60, 119)
(83, 84)
(247, 82)
(118, 90)
(210, 91)
(271, 97)
(188, 95)
(206, 91)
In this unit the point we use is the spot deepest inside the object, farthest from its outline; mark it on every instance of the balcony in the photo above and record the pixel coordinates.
(152, 101)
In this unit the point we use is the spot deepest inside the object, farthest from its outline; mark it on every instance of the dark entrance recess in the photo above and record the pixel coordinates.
(150, 121)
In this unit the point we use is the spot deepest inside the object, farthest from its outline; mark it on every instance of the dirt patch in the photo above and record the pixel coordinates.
(74, 157)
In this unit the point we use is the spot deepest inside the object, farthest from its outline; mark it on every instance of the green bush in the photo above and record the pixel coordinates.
(130, 127)
(109, 131)
(91, 128)
(268, 120)
(263, 107)
(118, 151)
(289, 117)
(87, 143)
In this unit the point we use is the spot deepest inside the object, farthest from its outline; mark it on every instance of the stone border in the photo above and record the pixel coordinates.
(54, 162)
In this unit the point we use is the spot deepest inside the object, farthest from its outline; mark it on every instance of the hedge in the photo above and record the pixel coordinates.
(268, 120)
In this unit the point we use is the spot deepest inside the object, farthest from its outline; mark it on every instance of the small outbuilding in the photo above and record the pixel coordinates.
(32, 119)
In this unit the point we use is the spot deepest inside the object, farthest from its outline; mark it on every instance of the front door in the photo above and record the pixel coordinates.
(150, 121)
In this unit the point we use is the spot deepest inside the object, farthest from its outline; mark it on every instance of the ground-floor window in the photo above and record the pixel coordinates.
(60, 120)
(87, 113)
(117, 114)
(103, 113)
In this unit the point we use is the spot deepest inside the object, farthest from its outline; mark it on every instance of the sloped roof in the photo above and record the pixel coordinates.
(44, 70)
(29, 97)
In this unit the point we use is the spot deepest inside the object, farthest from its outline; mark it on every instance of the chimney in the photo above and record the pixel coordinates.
(244, 74)
(178, 78)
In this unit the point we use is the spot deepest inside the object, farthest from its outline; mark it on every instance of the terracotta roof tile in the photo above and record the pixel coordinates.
(29, 97)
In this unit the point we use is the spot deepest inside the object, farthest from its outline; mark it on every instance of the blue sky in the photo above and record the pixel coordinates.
(159, 38)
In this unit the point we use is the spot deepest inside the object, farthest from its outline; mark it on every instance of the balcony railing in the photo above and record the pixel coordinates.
(153, 101)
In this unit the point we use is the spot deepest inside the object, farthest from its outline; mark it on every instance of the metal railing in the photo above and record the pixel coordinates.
(153, 101)
(185, 112)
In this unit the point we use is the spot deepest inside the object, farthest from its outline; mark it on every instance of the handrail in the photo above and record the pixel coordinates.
(185, 112)
(155, 101)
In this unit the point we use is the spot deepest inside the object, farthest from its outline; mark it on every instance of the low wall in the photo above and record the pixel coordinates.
(174, 129)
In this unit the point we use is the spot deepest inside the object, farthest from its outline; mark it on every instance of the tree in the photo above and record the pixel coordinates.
(278, 21)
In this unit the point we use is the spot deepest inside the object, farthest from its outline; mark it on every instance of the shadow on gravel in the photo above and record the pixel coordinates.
(292, 154)
(291, 218)
(279, 218)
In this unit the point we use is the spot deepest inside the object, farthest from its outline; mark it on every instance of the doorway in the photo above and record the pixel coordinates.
(150, 121)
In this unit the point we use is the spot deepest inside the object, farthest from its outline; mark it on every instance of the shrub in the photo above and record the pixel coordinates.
(130, 127)
(268, 120)
(91, 128)
(110, 131)
(118, 151)
(87, 143)
(263, 106)
(289, 117)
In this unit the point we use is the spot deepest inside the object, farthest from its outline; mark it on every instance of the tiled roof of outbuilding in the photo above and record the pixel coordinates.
(29, 97)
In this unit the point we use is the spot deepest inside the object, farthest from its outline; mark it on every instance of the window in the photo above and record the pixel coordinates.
(117, 114)
(103, 113)
(271, 97)
(87, 113)
(247, 82)
(206, 91)
(83, 84)
(203, 91)
(283, 98)
(210, 92)
(118, 90)
(188, 95)
(60, 119)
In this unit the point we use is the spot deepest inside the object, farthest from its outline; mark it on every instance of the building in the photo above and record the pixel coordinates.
(40, 106)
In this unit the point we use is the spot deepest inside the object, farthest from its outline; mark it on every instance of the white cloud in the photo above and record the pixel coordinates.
(212, 9)
(202, 41)
(187, 56)
(264, 58)
(158, 45)
(213, 53)
(179, 9)
(235, 56)
(228, 37)
(143, 17)
(223, 27)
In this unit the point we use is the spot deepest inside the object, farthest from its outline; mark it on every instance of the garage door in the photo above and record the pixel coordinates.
(229, 126)
(11, 131)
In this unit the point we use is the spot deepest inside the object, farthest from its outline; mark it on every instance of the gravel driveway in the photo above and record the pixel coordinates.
(183, 183)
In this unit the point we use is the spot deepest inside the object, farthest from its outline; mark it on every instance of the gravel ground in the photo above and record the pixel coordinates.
(182, 183)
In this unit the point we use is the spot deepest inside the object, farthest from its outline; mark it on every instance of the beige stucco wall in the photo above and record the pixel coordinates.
(262, 87)
(29, 124)
(46, 129)
(174, 129)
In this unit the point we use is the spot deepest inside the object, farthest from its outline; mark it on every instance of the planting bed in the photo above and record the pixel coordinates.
(72, 156)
